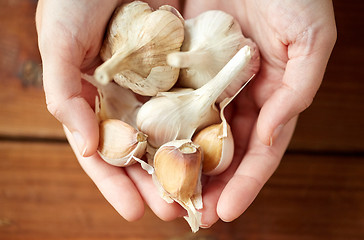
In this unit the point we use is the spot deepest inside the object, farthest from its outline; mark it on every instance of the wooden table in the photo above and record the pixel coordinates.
(316, 193)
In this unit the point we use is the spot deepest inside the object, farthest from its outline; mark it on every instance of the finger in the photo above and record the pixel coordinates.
(257, 166)
(62, 85)
(210, 195)
(194, 8)
(243, 118)
(144, 183)
(113, 183)
(302, 78)
(63, 90)
(155, 4)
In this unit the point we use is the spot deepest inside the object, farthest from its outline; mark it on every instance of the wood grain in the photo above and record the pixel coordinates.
(44, 194)
(23, 110)
(334, 122)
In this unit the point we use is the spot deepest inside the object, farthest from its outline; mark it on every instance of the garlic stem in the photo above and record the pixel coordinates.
(187, 59)
(212, 89)
(106, 71)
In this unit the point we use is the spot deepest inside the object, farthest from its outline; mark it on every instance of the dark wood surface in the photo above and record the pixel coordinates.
(316, 193)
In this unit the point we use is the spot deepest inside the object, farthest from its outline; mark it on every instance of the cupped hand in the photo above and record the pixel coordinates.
(70, 35)
(295, 39)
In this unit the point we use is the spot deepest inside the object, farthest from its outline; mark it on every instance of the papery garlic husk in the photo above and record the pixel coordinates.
(211, 40)
(217, 142)
(217, 146)
(120, 144)
(115, 102)
(177, 166)
(177, 115)
(137, 42)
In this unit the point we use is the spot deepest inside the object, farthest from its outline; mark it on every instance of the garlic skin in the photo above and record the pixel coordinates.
(177, 115)
(217, 148)
(177, 167)
(211, 40)
(174, 116)
(120, 144)
(137, 42)
(115, 102)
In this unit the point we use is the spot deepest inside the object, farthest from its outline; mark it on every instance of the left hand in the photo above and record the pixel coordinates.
(295, 39)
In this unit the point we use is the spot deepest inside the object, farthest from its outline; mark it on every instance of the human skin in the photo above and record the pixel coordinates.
(295, 39)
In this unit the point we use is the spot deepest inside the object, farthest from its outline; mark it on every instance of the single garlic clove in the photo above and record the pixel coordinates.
(211, 40)
(137, 42)
(217, 148)
(177, 166)
(120, 143)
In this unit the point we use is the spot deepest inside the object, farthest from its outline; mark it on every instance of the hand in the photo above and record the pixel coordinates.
(295, 39)
(70, 34)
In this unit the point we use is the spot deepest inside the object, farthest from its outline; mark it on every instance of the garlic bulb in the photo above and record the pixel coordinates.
(211, 40)
(177, 167)
(136, 45)
(217, 147)
(120, 144)
(177, 115)
(115, 102)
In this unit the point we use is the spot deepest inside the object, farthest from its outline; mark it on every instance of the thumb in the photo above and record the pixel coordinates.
(301, 80)
(62, 86)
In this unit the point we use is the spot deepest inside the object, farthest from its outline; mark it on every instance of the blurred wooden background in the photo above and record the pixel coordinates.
(316, 193)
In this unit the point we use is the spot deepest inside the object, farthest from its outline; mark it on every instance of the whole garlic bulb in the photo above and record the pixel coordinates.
(120, 144)
(211, 40)
(177, 166)
(136, 45)
(177, 115)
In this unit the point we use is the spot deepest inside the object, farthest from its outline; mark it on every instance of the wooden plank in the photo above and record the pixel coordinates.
(333, 123)
(23, 111)
(44, 194)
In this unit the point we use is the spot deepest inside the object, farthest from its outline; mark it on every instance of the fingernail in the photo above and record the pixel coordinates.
(276, 133)
(203, 225)
(80, 142)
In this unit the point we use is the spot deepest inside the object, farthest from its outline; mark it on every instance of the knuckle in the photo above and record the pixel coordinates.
(54, 109)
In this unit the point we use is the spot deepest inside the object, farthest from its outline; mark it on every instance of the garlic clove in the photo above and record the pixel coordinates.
(211, 40)
(177, 166)
(120, 143)
(217, 148)
(137, 42)
(158, 80)
(217, 141)
(173, 115)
